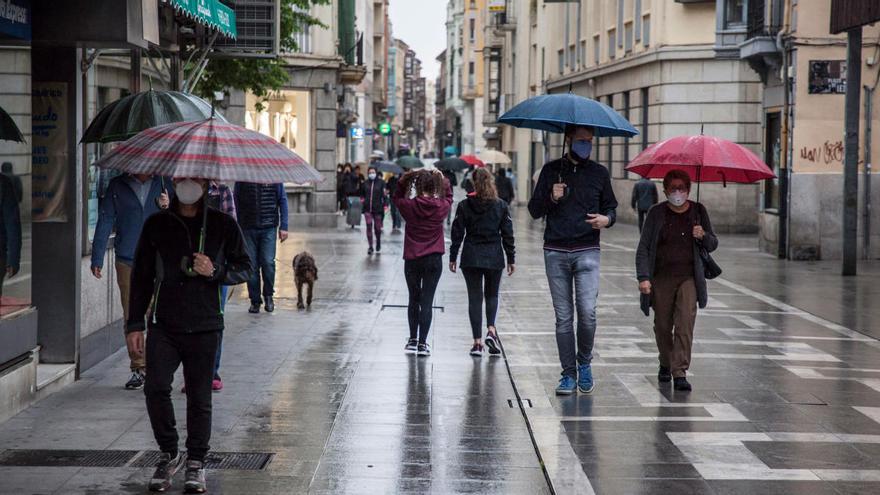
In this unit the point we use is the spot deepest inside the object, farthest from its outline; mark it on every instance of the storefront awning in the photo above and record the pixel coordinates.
(211, 13)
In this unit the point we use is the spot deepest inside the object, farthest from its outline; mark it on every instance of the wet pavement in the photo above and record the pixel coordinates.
(786, 389)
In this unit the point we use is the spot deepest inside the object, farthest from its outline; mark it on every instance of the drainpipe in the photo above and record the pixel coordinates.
(866, 240)
(783, 44)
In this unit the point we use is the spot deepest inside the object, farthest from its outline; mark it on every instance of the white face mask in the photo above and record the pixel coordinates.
(372, 175)
(677, 198)
(188, 191)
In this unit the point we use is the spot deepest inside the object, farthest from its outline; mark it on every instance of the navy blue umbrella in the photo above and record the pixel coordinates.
(556, 111)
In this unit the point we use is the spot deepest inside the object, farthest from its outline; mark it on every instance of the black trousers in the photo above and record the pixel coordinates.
(642, 215)
(166, 351)
(422, 276)
(482, 283)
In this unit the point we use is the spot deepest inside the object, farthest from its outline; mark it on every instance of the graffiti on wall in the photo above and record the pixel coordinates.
(829, 152)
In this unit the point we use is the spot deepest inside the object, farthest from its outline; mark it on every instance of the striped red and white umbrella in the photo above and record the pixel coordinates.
(210, 149)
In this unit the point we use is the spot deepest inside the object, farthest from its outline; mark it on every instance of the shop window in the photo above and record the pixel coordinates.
(772, 157)
(285, 116)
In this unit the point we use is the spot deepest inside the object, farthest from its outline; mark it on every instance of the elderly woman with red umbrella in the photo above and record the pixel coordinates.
(673, 261)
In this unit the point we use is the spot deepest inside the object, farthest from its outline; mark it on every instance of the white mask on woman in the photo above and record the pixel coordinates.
(677, 198)
(188, 191)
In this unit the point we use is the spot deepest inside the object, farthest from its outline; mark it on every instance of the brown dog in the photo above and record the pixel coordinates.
(305, 271)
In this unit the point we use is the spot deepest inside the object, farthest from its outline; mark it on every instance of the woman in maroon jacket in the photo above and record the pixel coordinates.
(424, 199)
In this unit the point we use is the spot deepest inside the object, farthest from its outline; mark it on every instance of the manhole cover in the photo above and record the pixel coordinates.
(245, 461)
(61, 458)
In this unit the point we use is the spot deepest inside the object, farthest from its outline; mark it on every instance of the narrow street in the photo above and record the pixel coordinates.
(784, 400)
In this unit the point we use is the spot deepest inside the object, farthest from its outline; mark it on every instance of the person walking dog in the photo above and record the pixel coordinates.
(671, 273)
(483, 224)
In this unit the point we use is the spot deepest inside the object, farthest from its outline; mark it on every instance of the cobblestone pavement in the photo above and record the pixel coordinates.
(786, 389)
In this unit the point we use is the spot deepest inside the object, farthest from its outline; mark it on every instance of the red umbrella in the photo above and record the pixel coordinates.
(210, 149)
(704, 158)
(473, 160)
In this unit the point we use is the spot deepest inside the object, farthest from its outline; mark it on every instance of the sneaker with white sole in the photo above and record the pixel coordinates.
(493, 344)
(136, 381)
(424, 350)
(196, 479)
(412, 346)
(166, 469)
(477, 350)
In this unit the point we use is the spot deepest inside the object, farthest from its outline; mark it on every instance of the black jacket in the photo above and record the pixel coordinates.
(589, 191)
(487, 232)
(261, 206)
(350, 184)
(505, 188)
(373, 196)
(646, 255)
(644, 195)
(177, 302)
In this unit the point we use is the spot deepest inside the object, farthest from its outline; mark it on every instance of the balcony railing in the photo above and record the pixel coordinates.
(757, 24)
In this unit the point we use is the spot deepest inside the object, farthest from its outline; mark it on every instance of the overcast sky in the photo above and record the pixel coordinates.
(422, 25)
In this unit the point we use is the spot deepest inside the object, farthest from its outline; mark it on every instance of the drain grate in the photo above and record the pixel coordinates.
(244, 461)
(525, 402)
(62, 458)
(247, 461)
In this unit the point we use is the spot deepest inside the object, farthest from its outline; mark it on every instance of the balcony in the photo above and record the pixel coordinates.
(759, 48)
(503, 21)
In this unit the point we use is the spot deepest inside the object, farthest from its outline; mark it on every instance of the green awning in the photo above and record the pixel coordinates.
(211, 13)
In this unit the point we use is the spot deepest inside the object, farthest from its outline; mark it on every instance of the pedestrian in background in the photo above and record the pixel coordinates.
(424, 198)
(128, 202)
(17, 187)
(220, 198)
(178, 285)
(374, 199)
(10, 232)
(396, 219)
(575, 196)
(482, 223)
(340, 196)
(504, 186)
(670, 271)
(262, 215)
(644, 196)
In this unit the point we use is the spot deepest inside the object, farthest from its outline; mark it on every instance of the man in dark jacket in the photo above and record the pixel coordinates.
(6, 169)
(574, 194)
(504, 186)
(183, 257)
(644, 196)
(396, 220)
(262, 215)
(374, 199)
(126, 205)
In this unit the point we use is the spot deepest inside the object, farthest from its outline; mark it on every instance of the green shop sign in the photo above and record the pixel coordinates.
(211, 13)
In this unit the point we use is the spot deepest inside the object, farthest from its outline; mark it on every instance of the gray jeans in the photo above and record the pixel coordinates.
(578, 272)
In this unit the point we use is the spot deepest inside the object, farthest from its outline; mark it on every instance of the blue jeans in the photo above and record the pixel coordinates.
(260, 245)
(578, 271)
(224, 293)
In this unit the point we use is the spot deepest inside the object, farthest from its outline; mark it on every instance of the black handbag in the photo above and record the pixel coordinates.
(711, 269)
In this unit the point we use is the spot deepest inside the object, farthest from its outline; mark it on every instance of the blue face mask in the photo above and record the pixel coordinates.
(582, 149)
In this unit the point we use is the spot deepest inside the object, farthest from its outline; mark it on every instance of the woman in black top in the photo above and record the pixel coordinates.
(482, 222)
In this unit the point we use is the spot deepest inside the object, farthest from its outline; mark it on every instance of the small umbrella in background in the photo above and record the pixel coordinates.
(473, 161)
(704, 158)
(554, 112)
(377, 154)
(410, 162)
(452, 164)
(494, 156)
(387, 167)
(8, 130)
(128, 116)
(450, 150)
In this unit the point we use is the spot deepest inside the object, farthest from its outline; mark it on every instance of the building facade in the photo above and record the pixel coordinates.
(465, 71)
